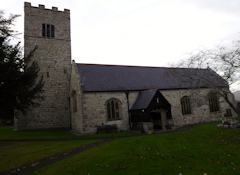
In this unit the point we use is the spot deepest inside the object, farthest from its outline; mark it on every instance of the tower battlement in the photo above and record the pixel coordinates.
(42, 7)
(46, 23)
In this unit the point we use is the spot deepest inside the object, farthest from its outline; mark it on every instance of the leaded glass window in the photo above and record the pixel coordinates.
(185, 104)
(113, 109)
(213, 102)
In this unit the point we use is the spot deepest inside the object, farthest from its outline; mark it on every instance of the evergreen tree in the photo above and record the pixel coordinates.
(20, 86)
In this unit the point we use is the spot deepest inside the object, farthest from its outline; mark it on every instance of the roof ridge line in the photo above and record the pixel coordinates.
(93, 64)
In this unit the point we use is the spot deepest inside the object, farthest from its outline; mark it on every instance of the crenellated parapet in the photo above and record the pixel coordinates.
(42, 7)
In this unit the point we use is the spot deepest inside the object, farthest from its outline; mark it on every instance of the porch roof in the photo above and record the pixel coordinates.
(143, 100)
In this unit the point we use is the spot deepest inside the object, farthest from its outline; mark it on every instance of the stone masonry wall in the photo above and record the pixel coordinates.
(199, 106)
(91, 107)
(94, 111)
(54, 58)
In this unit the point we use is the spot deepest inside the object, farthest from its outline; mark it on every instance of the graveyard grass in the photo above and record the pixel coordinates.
(15, 154)
(203, 149)
(23, 147)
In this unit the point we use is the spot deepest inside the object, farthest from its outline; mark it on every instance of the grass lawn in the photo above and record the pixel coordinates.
(16, 153)
(204, 149)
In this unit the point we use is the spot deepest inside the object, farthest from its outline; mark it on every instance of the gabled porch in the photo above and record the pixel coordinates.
(150, 111)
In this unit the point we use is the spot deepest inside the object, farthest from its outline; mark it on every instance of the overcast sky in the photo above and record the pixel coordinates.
(142, 32)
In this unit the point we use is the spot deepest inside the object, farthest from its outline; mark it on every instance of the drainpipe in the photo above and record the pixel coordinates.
(129, 118)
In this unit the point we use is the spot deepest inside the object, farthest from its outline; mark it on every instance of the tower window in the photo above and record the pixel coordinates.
(48, 31)
(52, 31)
(43, 30)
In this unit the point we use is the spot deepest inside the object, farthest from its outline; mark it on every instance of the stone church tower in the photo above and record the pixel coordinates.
(49, 29)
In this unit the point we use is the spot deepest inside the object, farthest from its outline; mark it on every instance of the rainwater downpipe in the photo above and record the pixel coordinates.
(129, 118)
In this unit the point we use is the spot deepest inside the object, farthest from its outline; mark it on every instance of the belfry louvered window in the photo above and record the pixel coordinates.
(48, 31)
(113, 109)
(185, 104)
(213, 102)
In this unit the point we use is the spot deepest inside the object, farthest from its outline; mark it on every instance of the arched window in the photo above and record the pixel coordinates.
(213, 102)
(185, 104)
(113, 109)
(74, 101)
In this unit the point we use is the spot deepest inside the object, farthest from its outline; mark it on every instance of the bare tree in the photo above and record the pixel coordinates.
(216, 69)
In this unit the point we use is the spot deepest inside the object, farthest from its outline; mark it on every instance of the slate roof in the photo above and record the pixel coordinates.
(97, 77)
(143, 100)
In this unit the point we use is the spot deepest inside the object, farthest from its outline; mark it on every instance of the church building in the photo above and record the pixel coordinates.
(85, 96)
